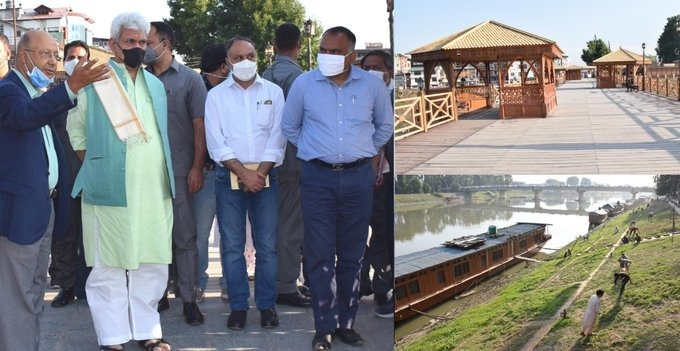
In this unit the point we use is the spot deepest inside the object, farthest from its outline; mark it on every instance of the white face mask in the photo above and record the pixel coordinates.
(69, 66)
(244, 70)
(379, 74)
(331, 65)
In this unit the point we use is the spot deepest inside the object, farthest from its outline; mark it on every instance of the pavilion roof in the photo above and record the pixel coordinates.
(489, 34)
(620, 56)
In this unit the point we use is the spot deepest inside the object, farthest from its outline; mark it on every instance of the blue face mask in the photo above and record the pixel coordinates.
(38, 78)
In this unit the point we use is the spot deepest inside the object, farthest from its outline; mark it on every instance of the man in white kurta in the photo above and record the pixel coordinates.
(590, 315)
(127, 238)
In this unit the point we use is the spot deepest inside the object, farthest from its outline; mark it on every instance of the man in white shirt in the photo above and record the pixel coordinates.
(243, 133)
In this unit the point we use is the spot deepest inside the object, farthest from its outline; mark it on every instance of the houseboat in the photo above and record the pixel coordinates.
(597, 217)
(613, 209)
(426, 278)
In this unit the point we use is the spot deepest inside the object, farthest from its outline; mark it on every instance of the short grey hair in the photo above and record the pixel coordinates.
(129, 20)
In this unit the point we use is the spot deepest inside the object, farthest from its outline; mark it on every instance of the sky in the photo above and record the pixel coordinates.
(621, 23)
(634, 180)
(367, 19)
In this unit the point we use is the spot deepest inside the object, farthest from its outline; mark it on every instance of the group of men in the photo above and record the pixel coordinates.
(188, 147)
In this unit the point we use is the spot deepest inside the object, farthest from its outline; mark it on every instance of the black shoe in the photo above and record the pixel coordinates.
(64, 297)
(192, 315)
(321, 341)
(380, 299)
(349, 336)
(304, 290)
(294, 299)
(163, 304)
(237, 319)
(268, 318)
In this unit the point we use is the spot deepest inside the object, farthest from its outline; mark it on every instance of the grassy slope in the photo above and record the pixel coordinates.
(510, 319)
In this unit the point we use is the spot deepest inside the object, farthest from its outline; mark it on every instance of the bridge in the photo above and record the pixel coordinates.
(537, 188)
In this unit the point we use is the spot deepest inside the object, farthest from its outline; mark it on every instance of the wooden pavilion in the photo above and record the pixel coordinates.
(617, 66)
(491, 50)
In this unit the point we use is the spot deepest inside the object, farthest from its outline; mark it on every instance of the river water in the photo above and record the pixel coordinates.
(421, 229)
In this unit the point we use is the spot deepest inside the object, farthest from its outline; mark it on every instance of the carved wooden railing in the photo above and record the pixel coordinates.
(418, 114)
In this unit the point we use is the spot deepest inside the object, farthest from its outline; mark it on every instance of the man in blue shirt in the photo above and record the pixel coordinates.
(338, 116)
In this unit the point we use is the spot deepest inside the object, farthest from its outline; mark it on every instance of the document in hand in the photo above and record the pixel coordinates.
(235, 182)
(120, 110)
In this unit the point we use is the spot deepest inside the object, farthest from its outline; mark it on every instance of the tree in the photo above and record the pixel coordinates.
(198, 23)
(572, 181)
(586, 181)
(596, 48)
(668, 44)
(668, 185)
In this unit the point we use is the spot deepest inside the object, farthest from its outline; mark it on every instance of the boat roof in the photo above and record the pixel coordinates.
(417, 261)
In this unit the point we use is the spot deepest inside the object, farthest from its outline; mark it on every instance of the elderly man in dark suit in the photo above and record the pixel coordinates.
(33, 181)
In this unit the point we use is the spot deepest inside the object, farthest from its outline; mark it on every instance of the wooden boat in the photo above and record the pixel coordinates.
(598, 216)
(426, 278)
(613, 209)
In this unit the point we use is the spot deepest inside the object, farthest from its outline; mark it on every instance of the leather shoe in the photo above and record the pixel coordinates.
(268, 318)
(192, 315)
(163, 303)
(64, 297)
(237, 319)
(294, 299)
(321, 341)
(349, 336)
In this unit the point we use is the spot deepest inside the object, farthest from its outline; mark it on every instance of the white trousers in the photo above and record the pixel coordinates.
(123, 303)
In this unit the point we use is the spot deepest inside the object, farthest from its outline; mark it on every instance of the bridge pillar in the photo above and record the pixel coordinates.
(537, 192)
(580, 195)
(501, 194)
(634, 194)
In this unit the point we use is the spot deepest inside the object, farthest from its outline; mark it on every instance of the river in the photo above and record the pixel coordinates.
(421, 229)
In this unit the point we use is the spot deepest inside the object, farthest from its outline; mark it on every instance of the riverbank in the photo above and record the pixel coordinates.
(645, 316)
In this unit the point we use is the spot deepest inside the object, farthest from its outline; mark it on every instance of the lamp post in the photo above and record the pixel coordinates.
(309, 31)
(677, 29)
(643, 66)
(269, 52)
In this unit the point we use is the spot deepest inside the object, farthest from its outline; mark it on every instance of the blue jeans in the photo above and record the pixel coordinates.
(336, 209)
(263, 210)
(204, 214)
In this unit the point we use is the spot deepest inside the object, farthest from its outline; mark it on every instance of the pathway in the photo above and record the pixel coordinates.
(592, 131)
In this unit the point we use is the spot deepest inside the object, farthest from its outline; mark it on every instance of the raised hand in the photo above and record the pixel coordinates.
(86, 73)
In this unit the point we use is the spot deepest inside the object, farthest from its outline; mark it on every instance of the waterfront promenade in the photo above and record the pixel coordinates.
(592, 131)
(70, 328)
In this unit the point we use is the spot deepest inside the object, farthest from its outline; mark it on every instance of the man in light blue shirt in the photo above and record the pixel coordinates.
(338, 116)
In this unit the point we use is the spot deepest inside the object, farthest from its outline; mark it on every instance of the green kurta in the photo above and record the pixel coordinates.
(124, 237)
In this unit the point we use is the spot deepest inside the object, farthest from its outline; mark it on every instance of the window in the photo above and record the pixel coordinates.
(538, 238)
(413, 287)
(482, 260)
(523, 244)
(497, 255)
(400, 292)
(461, 269)
(441, 278)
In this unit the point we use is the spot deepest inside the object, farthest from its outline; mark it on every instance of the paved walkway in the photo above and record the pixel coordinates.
(592, 131)
(70, 328)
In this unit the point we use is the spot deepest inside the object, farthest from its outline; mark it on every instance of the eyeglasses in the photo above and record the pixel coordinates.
(47, 55)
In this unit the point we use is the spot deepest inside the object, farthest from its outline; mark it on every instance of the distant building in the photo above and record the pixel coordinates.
(62, 23)
(369, 47)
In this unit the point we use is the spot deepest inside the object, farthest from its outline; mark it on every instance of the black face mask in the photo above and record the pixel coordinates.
(133, 57)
